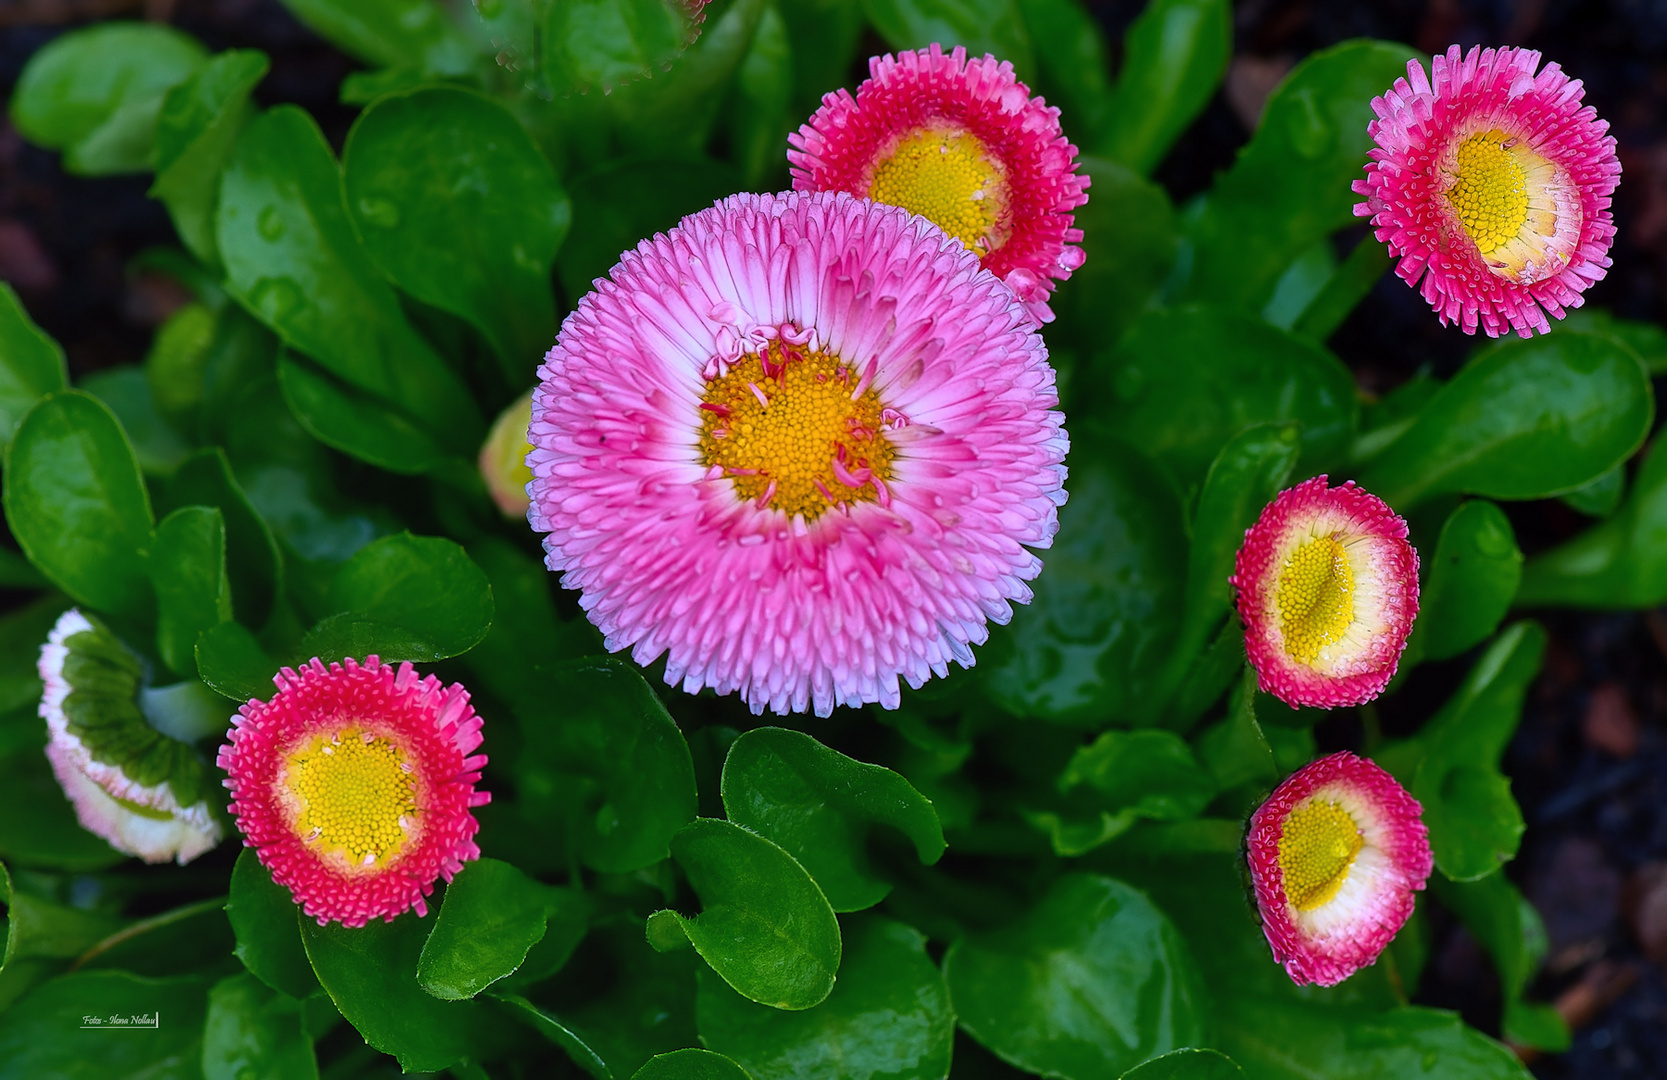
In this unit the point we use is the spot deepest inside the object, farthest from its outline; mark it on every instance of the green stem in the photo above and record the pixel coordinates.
(1347, 287)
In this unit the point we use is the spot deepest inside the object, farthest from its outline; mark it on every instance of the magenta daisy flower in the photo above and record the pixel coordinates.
(355, 785)
(797, 446)
(963, 143)
(1492, 183)
(1336, 853)
(1327, 590)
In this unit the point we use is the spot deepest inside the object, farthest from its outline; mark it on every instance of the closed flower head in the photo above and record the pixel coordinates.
(1491, 183)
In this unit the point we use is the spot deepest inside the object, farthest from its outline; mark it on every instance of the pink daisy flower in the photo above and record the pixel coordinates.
(797, 446)
(1336, 853)
(1492, 183)
(355, 785)
(1327, 590)
(963, 143)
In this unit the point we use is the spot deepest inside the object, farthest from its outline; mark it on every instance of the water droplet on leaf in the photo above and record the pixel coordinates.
(276, 299)
(379, 212)
(271, 223)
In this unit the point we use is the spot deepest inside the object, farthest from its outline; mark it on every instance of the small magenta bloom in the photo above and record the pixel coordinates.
(797, 446)
(355, 784)
(1336, 853)
(1328, 589)
(963, 143)
(1492, 183)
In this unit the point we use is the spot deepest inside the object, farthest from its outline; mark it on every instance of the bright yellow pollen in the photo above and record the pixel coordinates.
(351, 796)
(1316, 597)
(945, 176)
(1490, 192)
(1318, 845)
(784, 432)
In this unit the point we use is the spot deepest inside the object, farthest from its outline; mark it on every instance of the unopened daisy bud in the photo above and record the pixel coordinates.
(1327, 590)
(1335, 854)
(141, 791)
(1491, 183)
(355, 785)
(962, 143)
(503, 458)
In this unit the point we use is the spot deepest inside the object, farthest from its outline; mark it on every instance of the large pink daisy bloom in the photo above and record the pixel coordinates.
(963, 143)
(1492, 183)
(1327, 590)
(797, 446)
(355, 784)
(1336, 853)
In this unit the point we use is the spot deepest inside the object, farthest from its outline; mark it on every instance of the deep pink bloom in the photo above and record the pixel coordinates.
(963, 143)
(1336, 853)
(1493, 184)
(797, 446)
(355, 785)
(1328, 588)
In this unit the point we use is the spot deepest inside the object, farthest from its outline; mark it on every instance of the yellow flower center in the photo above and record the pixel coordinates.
(945, 176)
(792, 431)
(1518, 207)
(351, 795)
(1316, 848)
(1316, 597)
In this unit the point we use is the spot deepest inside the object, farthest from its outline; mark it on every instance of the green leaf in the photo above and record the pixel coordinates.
(1510, 929)
(425, 586)
(252, 558)
(126, 391)
(1075, 71)
(42, 1036)
(1472, 579)
(1274, 1039)
(233, 664)
(526, 631)
(492, 916)
(1290, 186)
(196, 130)
(77, 505)
(31, 364)
(1523, 420)
(1647, 339)
(1150, 773)
(94, 93)
(764, 926)
(1129, 243)
(605, 44)
(188, 571)
(459, 208)
(253, 1033)
(603, 753)
(542, 1022)
(355, 422)
(1617, 563)
(1174, 56)
(763, 93)
(263, 916)
(1600, 497)
(678, 110)
(983, 26)
(22, 633)
(823, 36)
(819, 805)
(389, 33)
(690, 1064)
(37, 927)
(1190, 1064)
(1086, 648)
(888, 1016)
(181, 941)
(1184, 381)
(1089, 982)
(292, 260)
(1236, 751)
(176, 360)
(38, 826)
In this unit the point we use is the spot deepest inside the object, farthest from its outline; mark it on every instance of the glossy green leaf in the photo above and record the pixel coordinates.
(690, 1064)
(22, 631)
(1346, 287)
(1174, 57)
(1089, 982)
(888, 1016)
(526, 630)
(188, 571)
(1185, 381)
(184, 940)
(820, 805)
(763, 95)
(355, 422)
(1105, 613)
(1512, 932)
(460, 209)
(196, 131)
(42, 1035)
(157, 445)
(1647, 339)
(1075, 70)
(1617, 563)
(492, 915)
(677, 111)
(252, 1033)
(548, 1026)
(252, 558)
(174, 365)
(602, 751)
(38, 826)
(823, 36)
(1119, 779)
(1189, 1064)
(40, 927)
(1236, 750)
(389, 33)
(424, 588)
(77, 505)
(233, 664)
(292, 259)
(1523, 420)
(263, 915)
(605, 44)
(1472, 578)
(1601, 497)
(94, 93)
(764, 926)
(31, 364)
(1129, 243)
(983, 26)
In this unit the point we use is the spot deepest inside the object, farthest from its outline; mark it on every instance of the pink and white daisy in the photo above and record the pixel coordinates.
(1492, 183)
(1335, 854)
(1327, 590)
(963, 143)
(140, 791)
(355, 785)
(797, 446)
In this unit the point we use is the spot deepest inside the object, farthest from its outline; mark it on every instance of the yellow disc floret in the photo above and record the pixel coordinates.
(1316, 849)
(792, 431)
(1315, 597)
(1490, 190)
(945, 176)
(351, 795)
